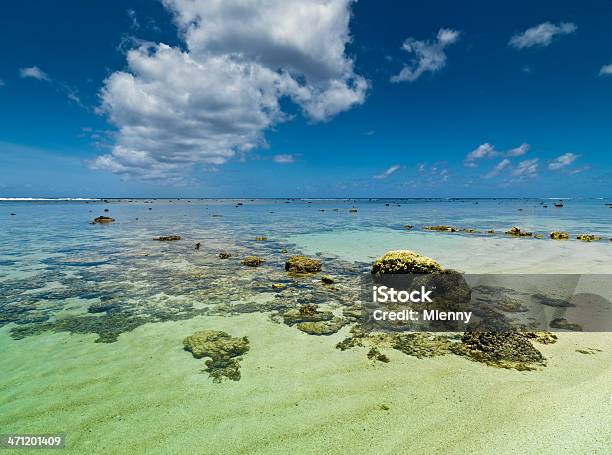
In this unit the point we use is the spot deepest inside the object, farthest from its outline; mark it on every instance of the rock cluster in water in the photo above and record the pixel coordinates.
(302, 264)
(252, 261)
(224, 352)
(517, 232)
(102, 220)
(167, 238)
(559, 235)
(404, 261)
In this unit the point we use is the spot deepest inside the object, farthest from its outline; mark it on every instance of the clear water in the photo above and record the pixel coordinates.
(137, 388)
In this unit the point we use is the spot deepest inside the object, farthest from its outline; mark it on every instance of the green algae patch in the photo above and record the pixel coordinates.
(302, 264)
(404, 261)
(223, 350)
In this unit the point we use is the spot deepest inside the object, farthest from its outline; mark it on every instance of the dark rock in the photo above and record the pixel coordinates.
(168, 238)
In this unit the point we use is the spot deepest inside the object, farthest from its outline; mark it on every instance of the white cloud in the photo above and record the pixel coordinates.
(34, 72)
(487, 151)
(387, 172)
(428, 55)
(562, 161)
(606, 70)
(284, 158)
(499, 167)
(541, 35)
(214, 100)
(519, 151)
(527, 168)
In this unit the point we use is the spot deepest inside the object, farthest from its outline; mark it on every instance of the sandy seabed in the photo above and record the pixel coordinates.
(299, 394)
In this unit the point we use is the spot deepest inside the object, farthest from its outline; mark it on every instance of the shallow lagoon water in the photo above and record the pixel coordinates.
(142, 392)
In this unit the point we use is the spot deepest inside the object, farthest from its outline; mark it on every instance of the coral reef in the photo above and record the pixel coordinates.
(564, 324)
(102, 220)
(517, 232)
(500, 349)
(322, 327)
(588, 237)
(167, 238)
(441, 228)
(559, 235)
(375, 354)
(326, 279)
(253, 261)
(223, 349)
(302, 264)
(404, 261)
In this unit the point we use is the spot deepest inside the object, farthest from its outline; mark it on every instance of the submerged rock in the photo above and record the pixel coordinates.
(559, 235)
(564, 324)
(422, 344)
(322, 327)
(588, 237)
(375, 354)
(501, 349)
(102, 220)
(404, 261)
(517, 232)
(167, 238)
(302, 264)
(441, 228)
(224, 255)
(223, 349)
(306, 313)
(326, 279)
(541, 337)
(253, 261)
(261, 238)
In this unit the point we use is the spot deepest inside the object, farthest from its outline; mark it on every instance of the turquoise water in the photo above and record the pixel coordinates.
(92, 319)
(54, 262)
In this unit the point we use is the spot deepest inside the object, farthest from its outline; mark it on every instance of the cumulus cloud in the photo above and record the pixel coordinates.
(284, 158)
(429, 55)
(499, 167)
(527, 168)
(541, 35)
(390, 170)
(606, 70)
(33, 72)
(562, 161)
(215, 99)
(487, 151)
(519, 151)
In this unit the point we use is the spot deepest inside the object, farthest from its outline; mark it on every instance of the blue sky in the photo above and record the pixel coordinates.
(321, 98)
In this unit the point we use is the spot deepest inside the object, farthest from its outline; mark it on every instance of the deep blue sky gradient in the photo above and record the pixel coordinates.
(550, 97)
